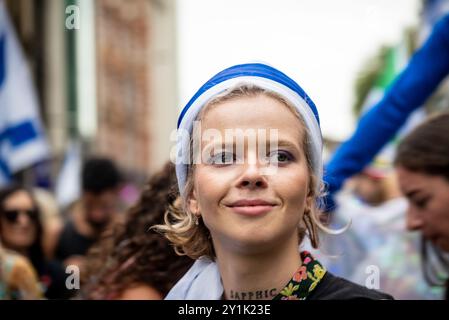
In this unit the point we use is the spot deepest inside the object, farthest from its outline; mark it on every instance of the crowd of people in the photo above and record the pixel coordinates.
(215, 224)
(221, 230)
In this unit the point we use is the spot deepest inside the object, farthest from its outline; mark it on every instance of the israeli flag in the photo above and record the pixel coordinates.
(22, 141)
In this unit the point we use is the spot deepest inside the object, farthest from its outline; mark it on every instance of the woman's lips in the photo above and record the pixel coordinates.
(252, 207)
(252, 210)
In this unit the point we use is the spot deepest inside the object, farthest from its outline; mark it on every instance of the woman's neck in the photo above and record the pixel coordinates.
(19, 249)
(258, 276)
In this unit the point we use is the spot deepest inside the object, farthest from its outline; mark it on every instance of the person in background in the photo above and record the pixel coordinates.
(96, 210)
(18, 279)
(422, 165)
(51, 220)
(373, 187)
(132, 261)
(21, 231)
(377, 239)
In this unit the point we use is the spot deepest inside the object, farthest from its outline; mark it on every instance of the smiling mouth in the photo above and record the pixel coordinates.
(251, 207)
(252, 210)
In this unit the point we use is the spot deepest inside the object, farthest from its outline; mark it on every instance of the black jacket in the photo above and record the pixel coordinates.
(335, 288)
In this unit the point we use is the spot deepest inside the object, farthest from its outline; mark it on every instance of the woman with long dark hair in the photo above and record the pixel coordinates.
(21, 231)
(422, 164)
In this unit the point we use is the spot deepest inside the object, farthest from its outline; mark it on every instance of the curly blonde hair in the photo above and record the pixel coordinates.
(189, 234)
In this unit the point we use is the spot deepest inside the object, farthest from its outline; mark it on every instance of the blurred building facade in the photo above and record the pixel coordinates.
(106, 76)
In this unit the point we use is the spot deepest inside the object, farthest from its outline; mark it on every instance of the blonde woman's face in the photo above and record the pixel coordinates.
(255, 199)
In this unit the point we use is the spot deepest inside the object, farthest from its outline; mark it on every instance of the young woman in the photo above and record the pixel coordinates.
(249, 170)
(21, 231)
(422, 164)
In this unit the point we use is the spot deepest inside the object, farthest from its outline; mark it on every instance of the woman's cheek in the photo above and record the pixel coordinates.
(294, 181)
(208, 183)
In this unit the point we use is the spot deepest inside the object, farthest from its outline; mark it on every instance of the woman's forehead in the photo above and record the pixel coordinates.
(19, 197)
(260, 111)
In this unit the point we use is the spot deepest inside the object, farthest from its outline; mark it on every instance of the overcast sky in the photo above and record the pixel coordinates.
(322, 44)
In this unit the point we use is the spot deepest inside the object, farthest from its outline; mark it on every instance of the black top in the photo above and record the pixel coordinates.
(72, 243)
(53, 277)
(335, 288)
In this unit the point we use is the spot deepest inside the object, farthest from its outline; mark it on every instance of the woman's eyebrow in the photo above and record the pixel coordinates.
(271, 144)
(285, 144)
(219, 145)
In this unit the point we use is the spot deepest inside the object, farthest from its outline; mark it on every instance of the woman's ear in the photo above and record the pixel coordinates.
(193, 203)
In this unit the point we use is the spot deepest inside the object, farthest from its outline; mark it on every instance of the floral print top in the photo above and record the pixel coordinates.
(18, 279)
(305, 279)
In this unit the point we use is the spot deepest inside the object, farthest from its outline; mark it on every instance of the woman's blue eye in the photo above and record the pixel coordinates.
(280, 157)
(222, 158)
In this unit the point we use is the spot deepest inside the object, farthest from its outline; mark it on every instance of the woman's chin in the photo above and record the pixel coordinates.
(250, 242)
(20, 244)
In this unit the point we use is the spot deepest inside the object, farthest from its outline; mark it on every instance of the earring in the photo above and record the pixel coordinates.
(196, 218)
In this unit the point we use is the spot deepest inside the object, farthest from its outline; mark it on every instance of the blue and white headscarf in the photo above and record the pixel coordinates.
(256, 74)
(204, 273)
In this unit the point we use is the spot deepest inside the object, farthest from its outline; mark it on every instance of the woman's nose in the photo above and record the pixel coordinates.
(414, 220)
(252, 177)
(23, 219)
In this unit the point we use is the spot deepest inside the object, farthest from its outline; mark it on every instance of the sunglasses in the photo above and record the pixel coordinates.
(13, 215)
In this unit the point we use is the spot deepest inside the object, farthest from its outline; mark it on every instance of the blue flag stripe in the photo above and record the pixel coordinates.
(19, 134)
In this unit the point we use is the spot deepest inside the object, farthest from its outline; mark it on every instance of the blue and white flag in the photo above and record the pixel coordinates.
(22, 141)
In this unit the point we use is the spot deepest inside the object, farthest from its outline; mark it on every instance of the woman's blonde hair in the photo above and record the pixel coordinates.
(189, 234)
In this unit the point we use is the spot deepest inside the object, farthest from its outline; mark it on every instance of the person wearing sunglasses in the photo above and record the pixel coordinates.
(13, 216)
(19, 225)
(21, 231)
